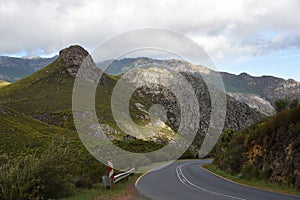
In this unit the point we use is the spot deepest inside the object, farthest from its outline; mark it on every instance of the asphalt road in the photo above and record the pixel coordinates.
(186, 180)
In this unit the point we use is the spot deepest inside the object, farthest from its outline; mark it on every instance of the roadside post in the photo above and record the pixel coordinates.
(111, 173)
(106, 181)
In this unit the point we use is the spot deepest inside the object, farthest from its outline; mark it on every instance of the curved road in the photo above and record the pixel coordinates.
(186, 180)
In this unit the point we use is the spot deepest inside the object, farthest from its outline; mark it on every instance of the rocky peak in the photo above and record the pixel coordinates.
(72, 58)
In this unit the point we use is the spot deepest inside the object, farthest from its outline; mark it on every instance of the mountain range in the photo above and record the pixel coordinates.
(12, 69)
(46, 96)
(258, 92)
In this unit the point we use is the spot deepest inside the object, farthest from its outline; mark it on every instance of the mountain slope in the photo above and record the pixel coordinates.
(269, 150)
(254, 101)
(47, 96)
(12, 69)
(266, 87)
(21, 134)
(269, 87)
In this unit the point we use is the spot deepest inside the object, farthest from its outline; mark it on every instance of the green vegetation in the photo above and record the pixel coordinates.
(254, 182)
(283, 104)
(40, 151)
(31, 151)
(138, 146)
(52, 173)
(234, 84)
(22, 135)
(122, 190)
(47, 96)
(251, 153)
(46, 91)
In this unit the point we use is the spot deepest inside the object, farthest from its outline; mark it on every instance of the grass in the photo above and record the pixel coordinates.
(122, 190)
(260, 184)
(22, 135)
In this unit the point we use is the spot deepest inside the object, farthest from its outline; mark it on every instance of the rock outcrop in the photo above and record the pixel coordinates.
(72, 58)
(238, 115)
(268, 88)
(269, 150)
(255, 102)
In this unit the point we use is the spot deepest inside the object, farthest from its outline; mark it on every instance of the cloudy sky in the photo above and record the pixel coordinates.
(258, 37)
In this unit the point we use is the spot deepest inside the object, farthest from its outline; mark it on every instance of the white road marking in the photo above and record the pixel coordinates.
(188, 183)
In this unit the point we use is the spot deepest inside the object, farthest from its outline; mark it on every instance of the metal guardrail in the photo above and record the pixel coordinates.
(120, 176)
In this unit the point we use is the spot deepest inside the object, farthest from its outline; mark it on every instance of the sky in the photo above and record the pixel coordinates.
(257, 37)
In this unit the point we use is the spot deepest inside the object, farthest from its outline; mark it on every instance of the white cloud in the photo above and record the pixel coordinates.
(225, 28)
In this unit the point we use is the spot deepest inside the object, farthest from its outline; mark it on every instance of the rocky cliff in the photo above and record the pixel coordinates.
(255, 102)
(238, 115)
(258, 92)
(269, 150)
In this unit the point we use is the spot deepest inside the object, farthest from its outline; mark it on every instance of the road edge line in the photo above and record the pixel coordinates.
(249, 186)
(139, 193)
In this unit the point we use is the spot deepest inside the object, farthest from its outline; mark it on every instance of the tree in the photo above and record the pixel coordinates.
(294, 103)
(281, 104)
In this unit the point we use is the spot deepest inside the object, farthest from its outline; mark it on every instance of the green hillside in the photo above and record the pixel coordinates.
(267, 151)
(49, 89)
(42, 161)
(47, 95)
(22, 135)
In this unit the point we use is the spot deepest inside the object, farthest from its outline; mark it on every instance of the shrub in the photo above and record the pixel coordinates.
(281, 104)
(249, 171)
(37, 177)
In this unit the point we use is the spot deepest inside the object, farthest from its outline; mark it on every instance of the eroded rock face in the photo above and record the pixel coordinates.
(278, 157)
(238, 115)
(72, 58)
(255, 102)
(243, 86)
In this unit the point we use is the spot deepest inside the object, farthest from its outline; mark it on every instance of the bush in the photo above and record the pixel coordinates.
(249, 171)
(229, 151)
(37, 177)
(281, 104)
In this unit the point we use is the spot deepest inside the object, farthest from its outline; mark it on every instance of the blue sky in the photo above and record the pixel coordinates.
(281, 63)
(257, 37)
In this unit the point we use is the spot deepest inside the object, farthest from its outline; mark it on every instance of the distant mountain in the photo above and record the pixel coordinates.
(258, 92)
(243, 87)
(12, 69)
(268, 87)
